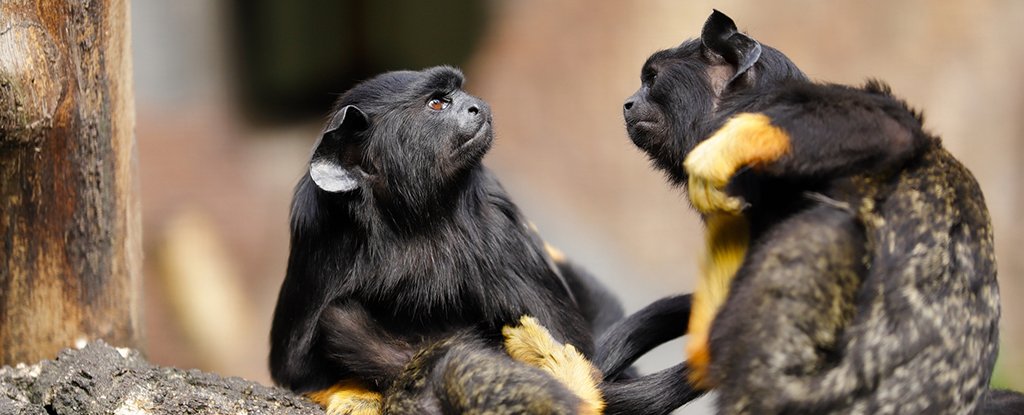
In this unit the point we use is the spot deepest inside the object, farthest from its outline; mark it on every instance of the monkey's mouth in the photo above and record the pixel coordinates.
(648, 125)
(481, 136)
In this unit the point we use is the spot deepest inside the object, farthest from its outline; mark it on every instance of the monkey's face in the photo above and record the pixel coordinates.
(681, 90)
(403, 134)
(663, 116)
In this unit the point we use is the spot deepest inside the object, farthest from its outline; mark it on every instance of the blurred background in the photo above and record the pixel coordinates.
(231, 93)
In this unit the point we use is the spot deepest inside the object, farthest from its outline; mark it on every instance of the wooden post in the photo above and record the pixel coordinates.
(70, 247)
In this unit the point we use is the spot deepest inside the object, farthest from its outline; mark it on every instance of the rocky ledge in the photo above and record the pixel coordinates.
(100, 379)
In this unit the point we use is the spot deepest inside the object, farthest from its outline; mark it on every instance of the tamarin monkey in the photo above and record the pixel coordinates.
(850, 264)
(405, 248)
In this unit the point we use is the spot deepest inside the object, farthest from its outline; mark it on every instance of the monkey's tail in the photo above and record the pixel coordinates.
(628, 339)
(655, 394)
(623, 343)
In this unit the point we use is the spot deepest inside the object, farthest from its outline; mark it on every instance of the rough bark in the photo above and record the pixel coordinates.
(100, 379)
(69, 230)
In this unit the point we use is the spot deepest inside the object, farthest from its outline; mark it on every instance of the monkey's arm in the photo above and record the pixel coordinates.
(531, 343)
(369, 356)
(805, 131)
(623, 343)
(656, 394)
(351, 339)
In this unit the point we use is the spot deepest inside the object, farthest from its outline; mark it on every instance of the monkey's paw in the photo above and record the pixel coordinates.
(747, 139)
(709, 197)
(348, 398)
(532, 344)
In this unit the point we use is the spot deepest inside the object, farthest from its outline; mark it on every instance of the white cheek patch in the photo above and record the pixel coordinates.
(331, 177)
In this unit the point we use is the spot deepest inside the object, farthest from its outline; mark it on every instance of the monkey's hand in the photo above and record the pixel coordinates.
(348, 398)
(532, 344)
(747, 139)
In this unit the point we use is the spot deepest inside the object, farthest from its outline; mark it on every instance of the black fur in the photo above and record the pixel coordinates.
(457, 374)
(656, 394)
(634, 336)
(877, 294)
(628, 339)
(1002, 402)
(463, 374)
(599, 306)
(415, 233)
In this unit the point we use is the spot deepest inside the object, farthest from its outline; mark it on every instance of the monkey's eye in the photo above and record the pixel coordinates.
(648, 77)
(438, 104)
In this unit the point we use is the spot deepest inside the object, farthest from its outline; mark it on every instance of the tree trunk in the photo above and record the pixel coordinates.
(70, 248)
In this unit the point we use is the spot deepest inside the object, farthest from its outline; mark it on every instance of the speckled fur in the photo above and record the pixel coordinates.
(917, 335)
(461, 375)
(870, 282)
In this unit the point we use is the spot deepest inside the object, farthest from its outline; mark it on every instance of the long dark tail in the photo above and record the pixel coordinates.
(655, 394)
(628, 339)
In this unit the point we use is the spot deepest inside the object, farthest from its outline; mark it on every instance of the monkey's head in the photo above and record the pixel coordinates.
(402, 136)
(683, 90)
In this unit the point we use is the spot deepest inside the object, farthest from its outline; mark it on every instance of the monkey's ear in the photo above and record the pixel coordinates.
(331, 168)
(721, 36)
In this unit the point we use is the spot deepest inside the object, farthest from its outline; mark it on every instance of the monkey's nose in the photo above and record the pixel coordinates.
(473, 109)
(627, 106)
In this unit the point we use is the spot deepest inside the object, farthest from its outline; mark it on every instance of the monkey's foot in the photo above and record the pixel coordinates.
(532, 344)
(747, 139)
(348, 398)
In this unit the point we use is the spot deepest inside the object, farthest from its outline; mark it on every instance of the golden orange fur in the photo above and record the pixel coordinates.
(745, 140)
(348, 398)
(532, 344)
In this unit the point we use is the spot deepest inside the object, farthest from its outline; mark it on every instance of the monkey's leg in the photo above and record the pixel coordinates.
(791, 300)
(357, 345)
(348, 398)
(532, 344)
(360, 347)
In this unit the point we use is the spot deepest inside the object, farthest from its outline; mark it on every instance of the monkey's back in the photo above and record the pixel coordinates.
(901, 301)
(932, 280)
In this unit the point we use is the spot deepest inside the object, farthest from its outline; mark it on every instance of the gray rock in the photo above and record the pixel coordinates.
(100, 379)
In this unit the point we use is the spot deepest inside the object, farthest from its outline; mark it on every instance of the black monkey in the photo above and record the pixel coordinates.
(398, 217)
(399, 233)
(865, 278)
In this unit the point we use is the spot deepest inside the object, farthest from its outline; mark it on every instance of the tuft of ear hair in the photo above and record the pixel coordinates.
(329, 169)
(721, 36)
